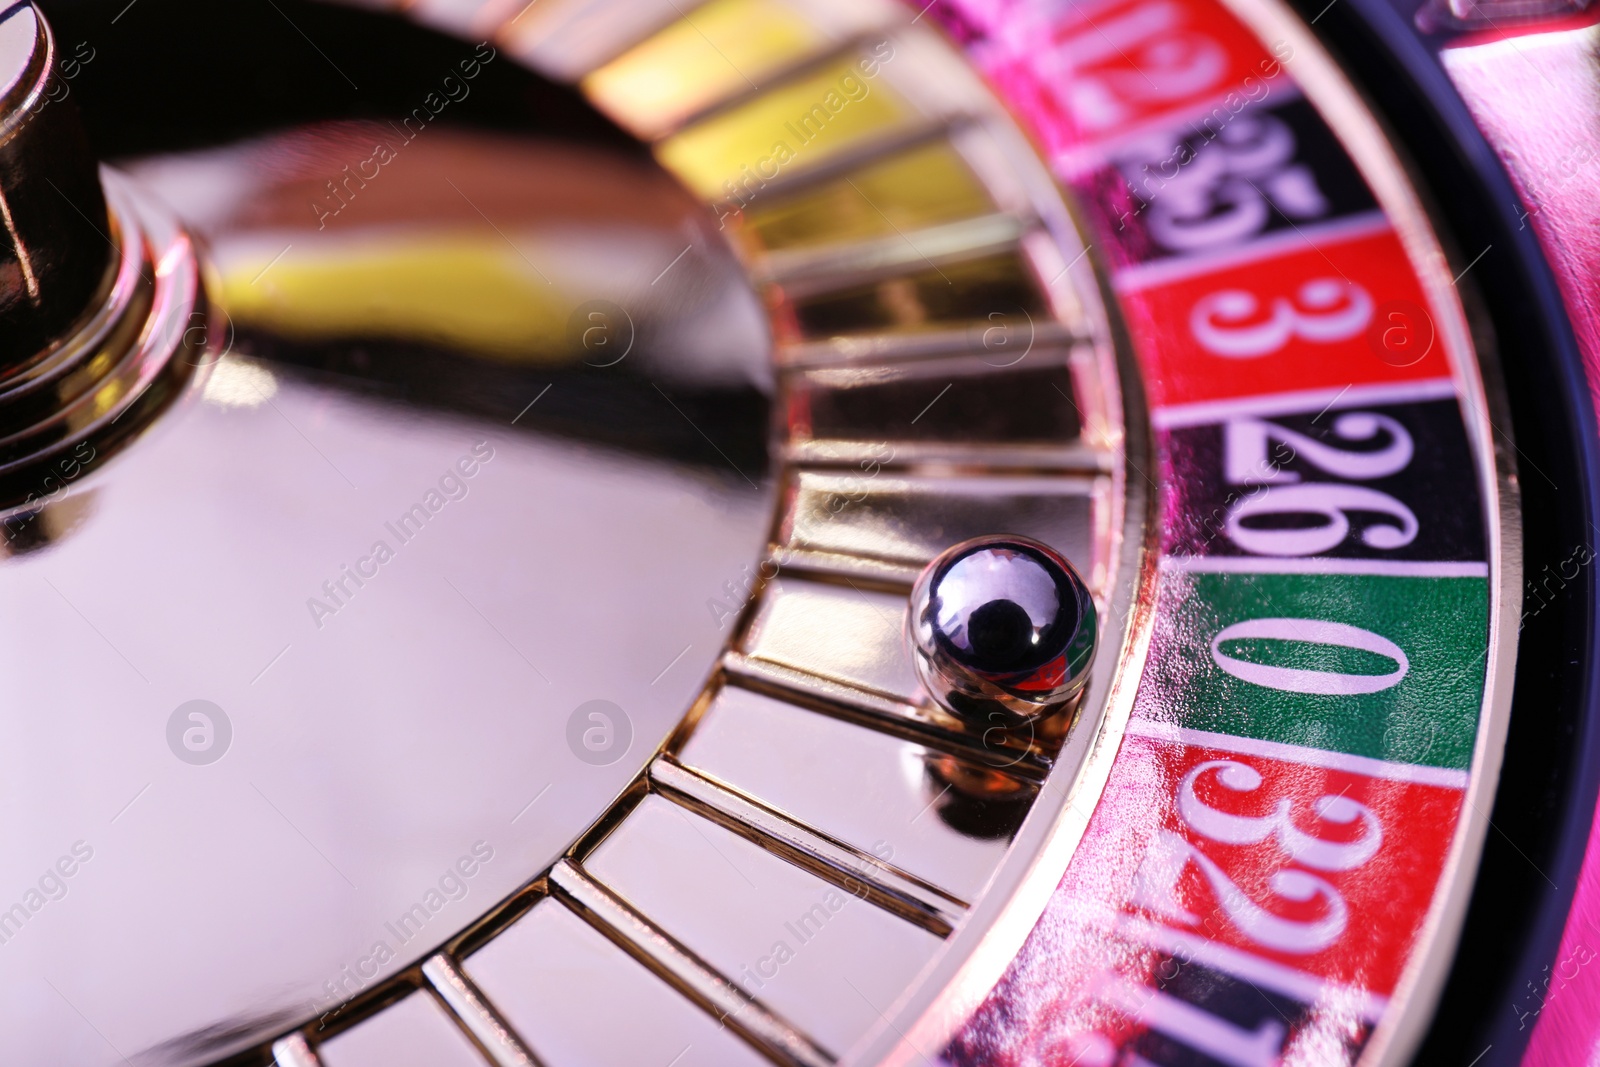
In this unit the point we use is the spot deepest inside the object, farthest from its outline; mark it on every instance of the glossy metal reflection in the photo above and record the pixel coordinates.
(54, 252)
(99, 290)
(75, 402)
(414, 693)
(391, 300)
(1002, 625)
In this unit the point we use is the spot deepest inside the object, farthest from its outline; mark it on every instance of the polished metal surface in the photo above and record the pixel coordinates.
(67, 411)
(417, 1030)
(563, 984)
(477, 1016)
(54, 250)
(782, 935)
(946, 837)
(101, 314)
(863, 873)
(1002, 630)
(678, 965)
(356, 569)
(847, 635)
(902, 522)
(520, 504)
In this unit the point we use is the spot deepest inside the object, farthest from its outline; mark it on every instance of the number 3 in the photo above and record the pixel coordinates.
(1328, 311)
(1170, 854)
(1313, 852)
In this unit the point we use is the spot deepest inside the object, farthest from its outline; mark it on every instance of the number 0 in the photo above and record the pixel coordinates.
(1312, 632)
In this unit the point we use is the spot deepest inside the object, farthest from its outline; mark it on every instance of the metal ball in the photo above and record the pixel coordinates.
(1002, 626)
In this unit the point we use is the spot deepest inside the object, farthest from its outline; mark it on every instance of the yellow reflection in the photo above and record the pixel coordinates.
(714, 52)
(108, 396)
(923, 187)
(795, 126)
(463, 291)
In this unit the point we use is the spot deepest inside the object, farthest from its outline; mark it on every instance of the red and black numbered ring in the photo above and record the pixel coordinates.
(983, 533)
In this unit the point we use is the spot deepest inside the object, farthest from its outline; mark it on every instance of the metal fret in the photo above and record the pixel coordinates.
(888, 348)
(294, 1051)
(804, 272)
(893, 890)
(1073, 458)
(1027, 219)
(476, 1015)
(926, 725)
(716, 994)
(871, 572)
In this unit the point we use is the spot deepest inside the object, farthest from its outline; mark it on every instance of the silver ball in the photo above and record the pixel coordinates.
(1002, 625)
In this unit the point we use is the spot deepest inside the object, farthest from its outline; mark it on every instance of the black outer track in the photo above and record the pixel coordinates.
(1546, 800)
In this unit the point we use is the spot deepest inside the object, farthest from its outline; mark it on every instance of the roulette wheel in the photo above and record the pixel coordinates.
(802, 532)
